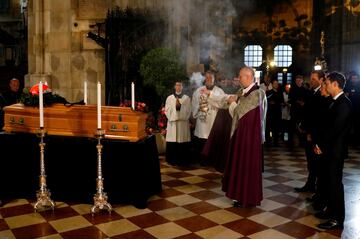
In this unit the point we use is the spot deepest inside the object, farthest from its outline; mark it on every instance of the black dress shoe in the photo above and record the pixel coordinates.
(331, 224)
(236, 204)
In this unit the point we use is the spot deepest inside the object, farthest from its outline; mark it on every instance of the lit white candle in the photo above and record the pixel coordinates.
(41, 105)
(85, 92)
(99, 105)
(133, 95)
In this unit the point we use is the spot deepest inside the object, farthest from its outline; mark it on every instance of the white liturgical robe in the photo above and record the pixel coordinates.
(178, 129)
(205, 121)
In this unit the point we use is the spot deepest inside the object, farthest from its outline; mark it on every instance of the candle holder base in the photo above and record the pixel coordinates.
(43, 200)
(100, 198)
(43, 195)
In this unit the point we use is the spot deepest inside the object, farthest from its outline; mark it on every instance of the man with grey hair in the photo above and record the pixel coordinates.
(242, 180)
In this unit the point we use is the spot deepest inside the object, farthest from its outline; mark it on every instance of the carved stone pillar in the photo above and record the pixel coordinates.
(59, 51)
(36, 44)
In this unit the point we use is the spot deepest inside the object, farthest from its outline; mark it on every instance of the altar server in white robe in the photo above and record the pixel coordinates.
(178, 111)
(206, 102)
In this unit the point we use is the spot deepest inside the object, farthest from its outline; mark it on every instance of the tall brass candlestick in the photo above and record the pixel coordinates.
(43, 195)
(100, 198)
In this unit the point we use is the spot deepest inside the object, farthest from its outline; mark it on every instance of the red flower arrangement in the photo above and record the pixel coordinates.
(150, 120)
(34, 90)
(150, 124)
(30, 96)
(139, 106)
(162, 121)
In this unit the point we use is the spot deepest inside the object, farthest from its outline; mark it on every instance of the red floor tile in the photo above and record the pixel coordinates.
(102, 216)
(245, 212)
(139, 234)
(87, 232)
(3, 225)
(196, 223)
(285, 199)
(160, 204)
(245, 227)
(212, 176)
(278, 179)
(275, 171)
(148, 220)
(205, 195)
(175, 183)
(201, 207)
(179, 175)
(16, 210)
(33, 231)
(290, 212)
(208, 184)
(296, 230)
(169, 193)
(189, 236)
(59, 213)
(281, 188)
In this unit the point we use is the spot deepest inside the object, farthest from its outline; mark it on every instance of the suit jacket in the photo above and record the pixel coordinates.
(297, 94)
(316, 112)
(338, 128)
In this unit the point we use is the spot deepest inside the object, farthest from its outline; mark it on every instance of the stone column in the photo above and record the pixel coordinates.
(60, 52)
(36, 43)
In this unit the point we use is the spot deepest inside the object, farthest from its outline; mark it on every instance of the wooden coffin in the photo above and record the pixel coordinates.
(77, 120)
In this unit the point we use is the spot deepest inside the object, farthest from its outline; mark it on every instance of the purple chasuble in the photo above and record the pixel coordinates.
(217, 145)
(243, 172)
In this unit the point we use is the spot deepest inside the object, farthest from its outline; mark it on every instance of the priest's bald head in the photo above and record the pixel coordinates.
(246, 76)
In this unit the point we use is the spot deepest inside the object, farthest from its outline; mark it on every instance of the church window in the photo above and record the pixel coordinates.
(283, 55)
(280, 77)
(253, 55)
(288, 77)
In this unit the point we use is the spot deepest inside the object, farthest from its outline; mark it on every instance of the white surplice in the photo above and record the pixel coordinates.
(215, 101)
(178, 129)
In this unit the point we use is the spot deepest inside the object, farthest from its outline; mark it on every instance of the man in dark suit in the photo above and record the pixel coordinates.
(314, 111)
(335, 149)
(297, 98)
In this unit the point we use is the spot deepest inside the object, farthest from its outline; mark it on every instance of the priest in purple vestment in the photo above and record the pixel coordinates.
(242, 180)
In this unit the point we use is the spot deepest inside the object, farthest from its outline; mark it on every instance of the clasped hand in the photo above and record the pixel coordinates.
(317, 150)
(232, 98)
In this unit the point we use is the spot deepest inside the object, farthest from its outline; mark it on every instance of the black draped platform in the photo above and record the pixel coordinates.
(131, 171)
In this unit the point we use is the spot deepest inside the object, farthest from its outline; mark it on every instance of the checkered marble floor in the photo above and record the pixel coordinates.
(192, 205)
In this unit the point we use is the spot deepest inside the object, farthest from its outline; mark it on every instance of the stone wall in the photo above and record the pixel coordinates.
(60, 53)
